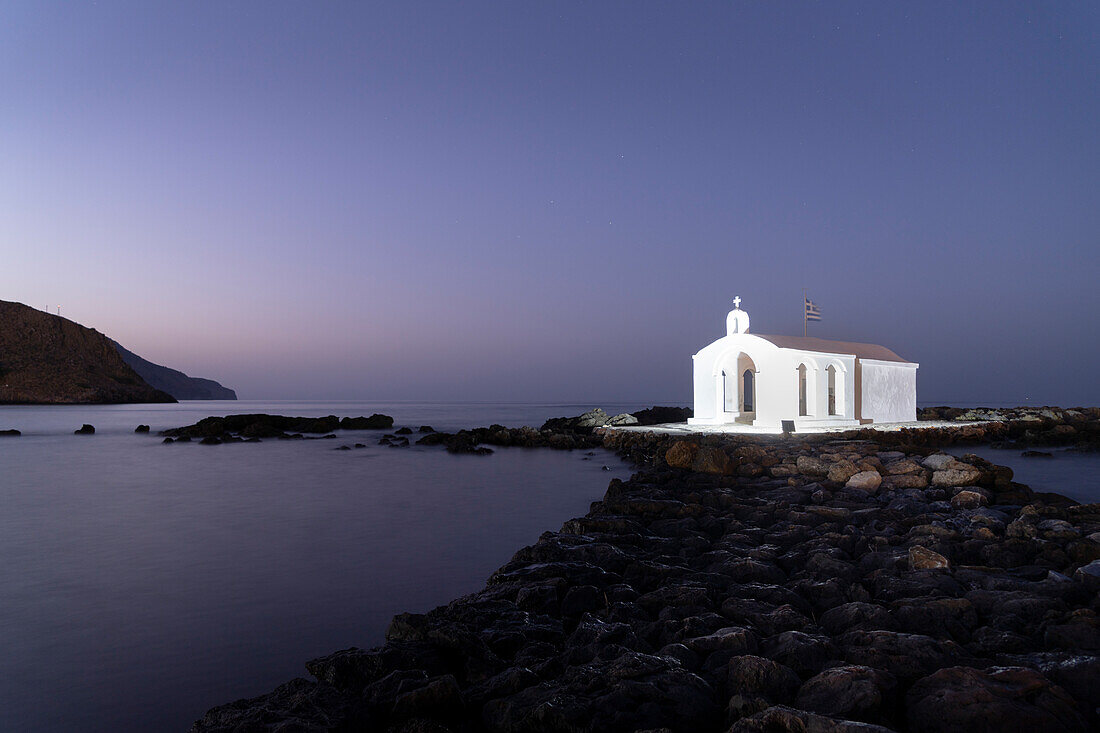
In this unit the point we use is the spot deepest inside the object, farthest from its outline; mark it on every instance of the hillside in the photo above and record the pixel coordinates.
(46, 359)
(173, 381)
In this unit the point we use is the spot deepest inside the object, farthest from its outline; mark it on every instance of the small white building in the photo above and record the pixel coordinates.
(745, 379)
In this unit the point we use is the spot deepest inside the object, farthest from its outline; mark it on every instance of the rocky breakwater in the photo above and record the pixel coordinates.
(750, 585)
(560, 433)
(1077, 428)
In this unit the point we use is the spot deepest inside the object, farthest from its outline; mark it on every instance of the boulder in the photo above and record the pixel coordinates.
(754, 683)
(921, 558)
(622, 419)
(141, 429)
(85, 429)
(1089, 575)
(868, 481)
(968, 500)
(998, 699)
(782, 719)
(712, 460)
(813, 466)
(681, 454)
(906, 656)
(851, 691)
(662, 415)
(959, 474)
(841, 471)
(937, 461)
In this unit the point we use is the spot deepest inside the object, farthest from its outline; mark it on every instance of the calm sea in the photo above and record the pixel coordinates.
(144, 583)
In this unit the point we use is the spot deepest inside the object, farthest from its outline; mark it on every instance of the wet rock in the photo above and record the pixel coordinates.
(141, 429)
(85, 429)
(1001, 698)
(9, 433)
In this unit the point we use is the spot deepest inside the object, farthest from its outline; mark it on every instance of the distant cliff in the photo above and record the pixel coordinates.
(46, 359)
(175, 382)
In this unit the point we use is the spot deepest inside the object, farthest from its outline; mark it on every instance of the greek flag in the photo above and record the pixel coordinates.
(813, 313)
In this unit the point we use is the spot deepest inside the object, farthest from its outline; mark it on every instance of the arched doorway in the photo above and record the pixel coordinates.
(735, 384)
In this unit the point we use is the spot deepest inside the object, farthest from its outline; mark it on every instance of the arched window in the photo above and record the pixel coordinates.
(750, 395)
(802, 391)
(831, 371)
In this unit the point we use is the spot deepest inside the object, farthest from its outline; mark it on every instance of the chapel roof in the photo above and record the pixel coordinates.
(811, 343)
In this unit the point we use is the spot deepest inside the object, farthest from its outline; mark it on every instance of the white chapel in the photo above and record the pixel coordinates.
(745, 379)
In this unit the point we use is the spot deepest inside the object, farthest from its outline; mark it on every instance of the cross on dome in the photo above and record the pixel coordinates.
(738, 320)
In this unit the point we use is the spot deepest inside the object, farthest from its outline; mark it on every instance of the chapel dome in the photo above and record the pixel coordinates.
(738, 320)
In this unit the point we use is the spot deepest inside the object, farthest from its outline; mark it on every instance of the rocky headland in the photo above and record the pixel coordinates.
(46, 359)
(863, 581)
(173, 381)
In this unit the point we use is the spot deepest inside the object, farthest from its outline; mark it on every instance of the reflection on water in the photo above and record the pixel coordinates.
(144, 583)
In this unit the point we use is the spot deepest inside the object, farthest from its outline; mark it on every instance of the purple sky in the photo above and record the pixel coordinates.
(556, 201)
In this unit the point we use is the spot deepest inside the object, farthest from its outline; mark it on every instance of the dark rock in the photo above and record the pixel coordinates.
(851, 691)
(85, 429)
(754, 683)
(905, 656)
(782, 719)
(1001, 698)
(662, 415)
(403, 431)
(805, 653)
(374, 422)
(633, 692)
(10, 433)
(141, 429)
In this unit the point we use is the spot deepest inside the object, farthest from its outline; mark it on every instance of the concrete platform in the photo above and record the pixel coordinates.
(682, 428)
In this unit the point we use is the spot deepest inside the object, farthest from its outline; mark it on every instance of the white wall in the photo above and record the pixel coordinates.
(888, 391)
